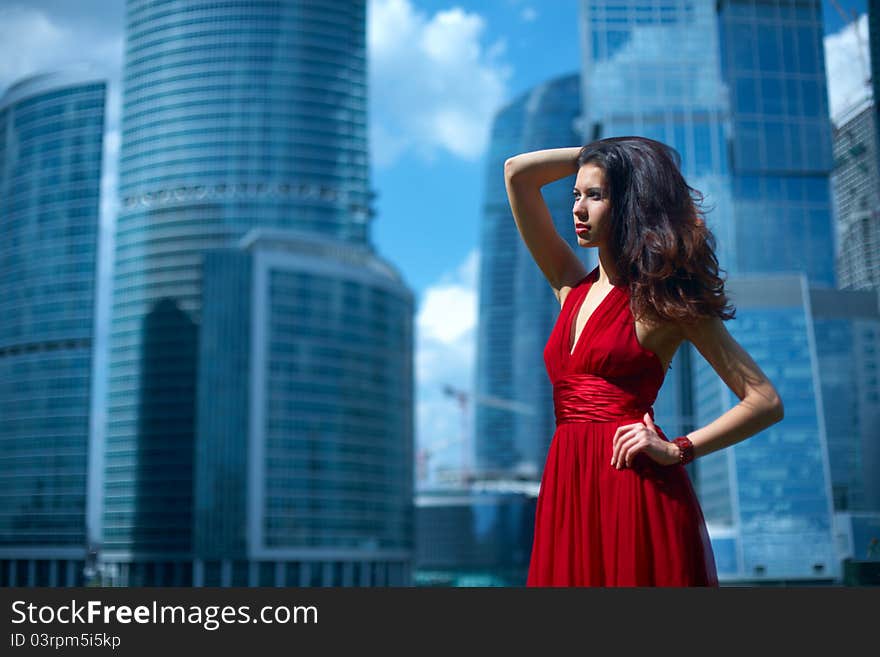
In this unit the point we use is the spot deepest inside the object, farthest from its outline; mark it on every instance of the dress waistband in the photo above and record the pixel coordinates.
(591, 398)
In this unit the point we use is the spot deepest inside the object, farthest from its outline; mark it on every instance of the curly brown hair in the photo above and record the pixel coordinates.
(662, 248)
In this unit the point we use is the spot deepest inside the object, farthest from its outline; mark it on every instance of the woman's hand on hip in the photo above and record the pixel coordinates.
(632, 439)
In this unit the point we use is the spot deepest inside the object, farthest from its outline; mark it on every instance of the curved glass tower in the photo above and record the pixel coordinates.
(243, 113)
(235, 116)
(514, 418)
(51, 140)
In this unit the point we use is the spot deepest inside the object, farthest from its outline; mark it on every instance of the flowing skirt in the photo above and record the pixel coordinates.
(599, 526)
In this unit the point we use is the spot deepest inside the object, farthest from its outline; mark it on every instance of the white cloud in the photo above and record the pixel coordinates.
(433, 85)
(30, 42)
(446, 324)
(445, 352)
(435, 318)
(528, 14)
(449, 309)
(847, 66)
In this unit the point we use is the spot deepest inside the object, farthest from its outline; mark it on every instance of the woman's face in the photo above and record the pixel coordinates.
(592, 207)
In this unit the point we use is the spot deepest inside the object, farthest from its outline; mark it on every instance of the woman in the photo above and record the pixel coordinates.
(616, 506)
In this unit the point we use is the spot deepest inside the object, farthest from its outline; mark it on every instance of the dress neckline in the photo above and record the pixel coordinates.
(591, 278)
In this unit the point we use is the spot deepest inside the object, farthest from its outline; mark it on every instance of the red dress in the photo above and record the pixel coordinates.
(596, 525)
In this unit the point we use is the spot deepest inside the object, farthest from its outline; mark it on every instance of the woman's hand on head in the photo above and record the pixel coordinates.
(632, 439)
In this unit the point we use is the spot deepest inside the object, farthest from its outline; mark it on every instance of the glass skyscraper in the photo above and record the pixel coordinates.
(517, 308)
(481, 535)
(51, 140)
(738, 88)
(235, 116)
(769, 500)
(847, 334)
(780, 144)
(874, 57)
(857, 175)
(857, 195)
(304, 460)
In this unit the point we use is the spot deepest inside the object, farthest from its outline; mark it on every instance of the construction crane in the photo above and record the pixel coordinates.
(464, 398)
(424, 455)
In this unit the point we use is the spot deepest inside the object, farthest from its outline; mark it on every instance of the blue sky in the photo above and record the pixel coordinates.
(439, 70)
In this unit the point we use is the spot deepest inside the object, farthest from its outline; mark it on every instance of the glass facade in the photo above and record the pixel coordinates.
(847, 329)
(859, 535)
(235, 116)
(738, 88)
(51, 140)
(780, 147)
(517, 308)
(305, 425)
(820, 349)
(874, 58)
(857, 199)
(258, 108)
(770, 496)
(223, 406)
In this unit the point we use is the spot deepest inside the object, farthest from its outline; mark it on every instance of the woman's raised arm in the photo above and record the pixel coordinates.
(524, 175)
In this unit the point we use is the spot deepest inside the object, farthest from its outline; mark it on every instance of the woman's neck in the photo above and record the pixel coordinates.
(607, 269)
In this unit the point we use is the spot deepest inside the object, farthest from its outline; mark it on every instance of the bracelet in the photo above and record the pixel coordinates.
(685, 450)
